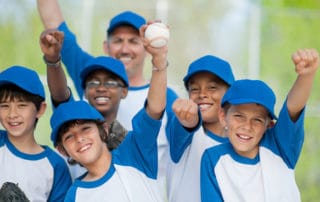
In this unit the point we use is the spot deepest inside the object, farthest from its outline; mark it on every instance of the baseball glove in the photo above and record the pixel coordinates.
(10, 192)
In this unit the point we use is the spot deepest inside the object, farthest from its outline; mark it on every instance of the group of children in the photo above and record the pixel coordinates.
(223, 143)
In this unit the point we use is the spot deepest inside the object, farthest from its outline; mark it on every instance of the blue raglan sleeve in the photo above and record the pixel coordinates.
(210, 191)
(73, 57)
(139, 148)
(62, 178)
(286, 137)
(171, 97)
(2, 137)
(71, 194)
(179, 137)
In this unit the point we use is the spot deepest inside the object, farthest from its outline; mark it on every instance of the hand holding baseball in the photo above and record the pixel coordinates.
(157, 34)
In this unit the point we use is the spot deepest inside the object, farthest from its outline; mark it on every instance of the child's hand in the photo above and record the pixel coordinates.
(186, 111)
(159, 55)
(306, 61)
(51, 44)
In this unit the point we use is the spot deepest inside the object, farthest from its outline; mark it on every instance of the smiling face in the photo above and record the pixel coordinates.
(18, 117)
(105, 98)
(125, 44)
(206, 90)
(246, 125)
(82, 142)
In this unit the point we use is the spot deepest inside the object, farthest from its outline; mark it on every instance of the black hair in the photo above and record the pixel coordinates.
(11, 92)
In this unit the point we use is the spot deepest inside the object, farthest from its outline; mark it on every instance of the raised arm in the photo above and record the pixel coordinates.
(306, 64)
(50, 43)
(158, 84)
(50, 13)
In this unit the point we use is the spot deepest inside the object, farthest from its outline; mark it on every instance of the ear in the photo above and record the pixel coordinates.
(271, 124)
(61, 150)
(124, 93)
(105, 47)
(222, 117)
(42, 109)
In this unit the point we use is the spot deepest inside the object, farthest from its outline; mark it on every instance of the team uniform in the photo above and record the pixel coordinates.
(42, 177)
(227, 176)
(186, 151)
(133, 170)
(75, 58)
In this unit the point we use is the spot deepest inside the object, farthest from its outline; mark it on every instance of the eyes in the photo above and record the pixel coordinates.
(107, 84)
(71, 136)
(134, 40)
(19, 105)
(255, 121)
(196, 89)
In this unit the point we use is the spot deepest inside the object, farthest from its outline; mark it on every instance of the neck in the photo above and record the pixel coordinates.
(136, 82)
(100, 167)
(215, 128)
(26, 144)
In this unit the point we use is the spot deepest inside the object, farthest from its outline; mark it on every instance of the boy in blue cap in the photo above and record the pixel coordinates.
(258, 164)
(40, 172)
(206, 81)
(129, 172)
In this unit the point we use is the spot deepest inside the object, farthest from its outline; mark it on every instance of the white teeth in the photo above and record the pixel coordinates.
(125, 59)
(204, 106)
(14, 123)
(84, 148)
(102, 100)
(244, 137)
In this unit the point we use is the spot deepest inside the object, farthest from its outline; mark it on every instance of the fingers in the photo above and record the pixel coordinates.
(305, 60)
(51, 37)
(305, 55)
(186, 111)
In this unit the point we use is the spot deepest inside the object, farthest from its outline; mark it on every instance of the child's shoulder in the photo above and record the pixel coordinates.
(53, 156)
(216, 152)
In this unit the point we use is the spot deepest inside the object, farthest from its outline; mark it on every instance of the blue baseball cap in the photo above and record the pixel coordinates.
(126, 18)
(107, 63)
(211, 64)
(69, 111)
(247, 91)
(23, 77)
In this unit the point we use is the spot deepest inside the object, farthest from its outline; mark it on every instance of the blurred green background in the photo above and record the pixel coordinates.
(256, 37)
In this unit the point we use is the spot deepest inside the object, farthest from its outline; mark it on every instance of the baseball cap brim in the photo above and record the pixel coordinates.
(72, 110)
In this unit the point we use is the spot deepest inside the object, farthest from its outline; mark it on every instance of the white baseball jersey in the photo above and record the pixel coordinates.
(227, 176)
(42, 177)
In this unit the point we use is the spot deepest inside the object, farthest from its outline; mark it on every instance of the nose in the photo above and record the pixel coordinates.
(203, 92)
(125, 47)
(79, 138)
(247, 124)
(12, 112)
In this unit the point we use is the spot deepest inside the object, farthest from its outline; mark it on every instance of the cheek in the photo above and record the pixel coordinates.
(193, 97)
(113, 49)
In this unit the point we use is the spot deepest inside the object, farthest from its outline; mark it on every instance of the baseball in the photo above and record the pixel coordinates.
(158, 34)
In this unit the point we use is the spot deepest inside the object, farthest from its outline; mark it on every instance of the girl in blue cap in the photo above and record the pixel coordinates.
(258, 164)
(40, 172)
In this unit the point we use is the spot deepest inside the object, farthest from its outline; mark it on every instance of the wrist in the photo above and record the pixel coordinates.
(160, 68)
(52, 63)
